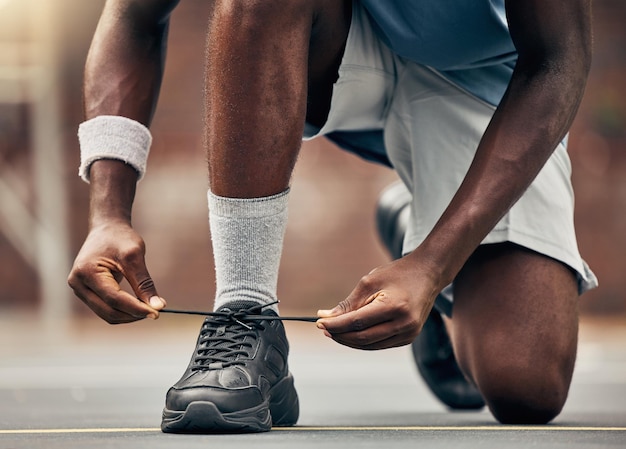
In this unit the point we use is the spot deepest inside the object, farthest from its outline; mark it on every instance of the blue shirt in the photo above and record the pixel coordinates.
(467, 41)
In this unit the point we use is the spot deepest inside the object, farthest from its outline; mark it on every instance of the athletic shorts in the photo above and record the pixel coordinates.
(407, 115)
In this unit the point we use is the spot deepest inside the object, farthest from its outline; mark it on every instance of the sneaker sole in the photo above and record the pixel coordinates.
(204, 417)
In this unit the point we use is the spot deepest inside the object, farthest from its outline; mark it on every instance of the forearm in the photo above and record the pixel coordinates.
(124, 66)
(123, 74)
(532, 119)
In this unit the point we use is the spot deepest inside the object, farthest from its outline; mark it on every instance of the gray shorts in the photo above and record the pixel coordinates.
(389, 109)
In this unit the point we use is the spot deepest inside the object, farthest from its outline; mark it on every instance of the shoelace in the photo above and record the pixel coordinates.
(244, 315)
(223, 337)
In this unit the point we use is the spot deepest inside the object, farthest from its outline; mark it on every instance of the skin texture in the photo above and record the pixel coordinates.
(515, 312)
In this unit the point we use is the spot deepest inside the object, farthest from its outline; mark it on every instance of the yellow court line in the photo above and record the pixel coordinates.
(445, 428)
(333, 429)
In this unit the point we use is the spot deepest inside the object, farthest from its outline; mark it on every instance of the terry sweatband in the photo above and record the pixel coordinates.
(113, 137)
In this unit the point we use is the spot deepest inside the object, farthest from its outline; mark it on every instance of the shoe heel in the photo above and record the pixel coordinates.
(284, 403)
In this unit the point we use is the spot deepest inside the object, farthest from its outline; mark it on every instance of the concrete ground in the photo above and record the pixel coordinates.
(88, 384)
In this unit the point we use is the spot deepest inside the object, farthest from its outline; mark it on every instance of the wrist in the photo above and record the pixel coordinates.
(113, 137)
(111, 192)
(444, 252)
(431, 267)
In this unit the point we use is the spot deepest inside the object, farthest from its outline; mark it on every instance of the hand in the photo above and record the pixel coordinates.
(387, 308)
(111, 252)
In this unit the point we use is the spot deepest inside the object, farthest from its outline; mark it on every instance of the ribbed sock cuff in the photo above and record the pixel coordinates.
(247, 236)
(247, 207)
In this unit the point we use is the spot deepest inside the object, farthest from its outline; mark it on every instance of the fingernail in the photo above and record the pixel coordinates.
(156, 302)
(320, 325)
(152, 316)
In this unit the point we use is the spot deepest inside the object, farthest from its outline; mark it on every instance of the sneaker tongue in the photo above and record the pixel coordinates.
(237, 306)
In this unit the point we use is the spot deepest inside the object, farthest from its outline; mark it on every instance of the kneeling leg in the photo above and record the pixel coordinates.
(515, 326)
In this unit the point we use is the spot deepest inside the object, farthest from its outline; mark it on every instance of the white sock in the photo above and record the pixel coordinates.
(247, 236)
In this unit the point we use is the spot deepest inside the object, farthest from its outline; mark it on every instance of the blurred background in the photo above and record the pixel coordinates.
(331, 240)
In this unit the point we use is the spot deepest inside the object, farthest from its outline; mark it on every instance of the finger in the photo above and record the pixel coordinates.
(386, 334)
(351, 303)
(341, 308)
(102, 309)
(142, 284)
(118, 276)
(102, 283)
(379, 324)
(372, 343)
(374, 312)
(365, 292)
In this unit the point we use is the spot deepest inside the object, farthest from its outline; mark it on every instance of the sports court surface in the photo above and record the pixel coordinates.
(92, 385)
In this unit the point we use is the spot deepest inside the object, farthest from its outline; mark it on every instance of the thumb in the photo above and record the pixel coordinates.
(351, 303)
(142, 284)
(366, 290)
(339, 309)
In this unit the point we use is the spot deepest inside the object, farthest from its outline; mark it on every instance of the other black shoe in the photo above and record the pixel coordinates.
(392, 217)
(238, 379)
(434, 357)
(432, 348)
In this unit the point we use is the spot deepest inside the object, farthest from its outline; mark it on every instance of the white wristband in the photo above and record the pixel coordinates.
(113, 137)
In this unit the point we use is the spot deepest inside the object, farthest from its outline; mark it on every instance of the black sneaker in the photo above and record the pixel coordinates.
(434, 357)
(392, 217)
(432, 348)
(238, 379)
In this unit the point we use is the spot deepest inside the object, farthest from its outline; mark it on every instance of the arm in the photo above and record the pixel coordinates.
(553, 40)
(124, 66)
(122, 77)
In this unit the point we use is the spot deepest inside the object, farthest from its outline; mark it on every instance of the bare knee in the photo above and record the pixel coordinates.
(516, 327)
(518, 395)
(522, 383)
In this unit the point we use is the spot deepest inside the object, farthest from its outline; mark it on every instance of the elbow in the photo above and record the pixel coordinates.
(563, 68)
(577, 47)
